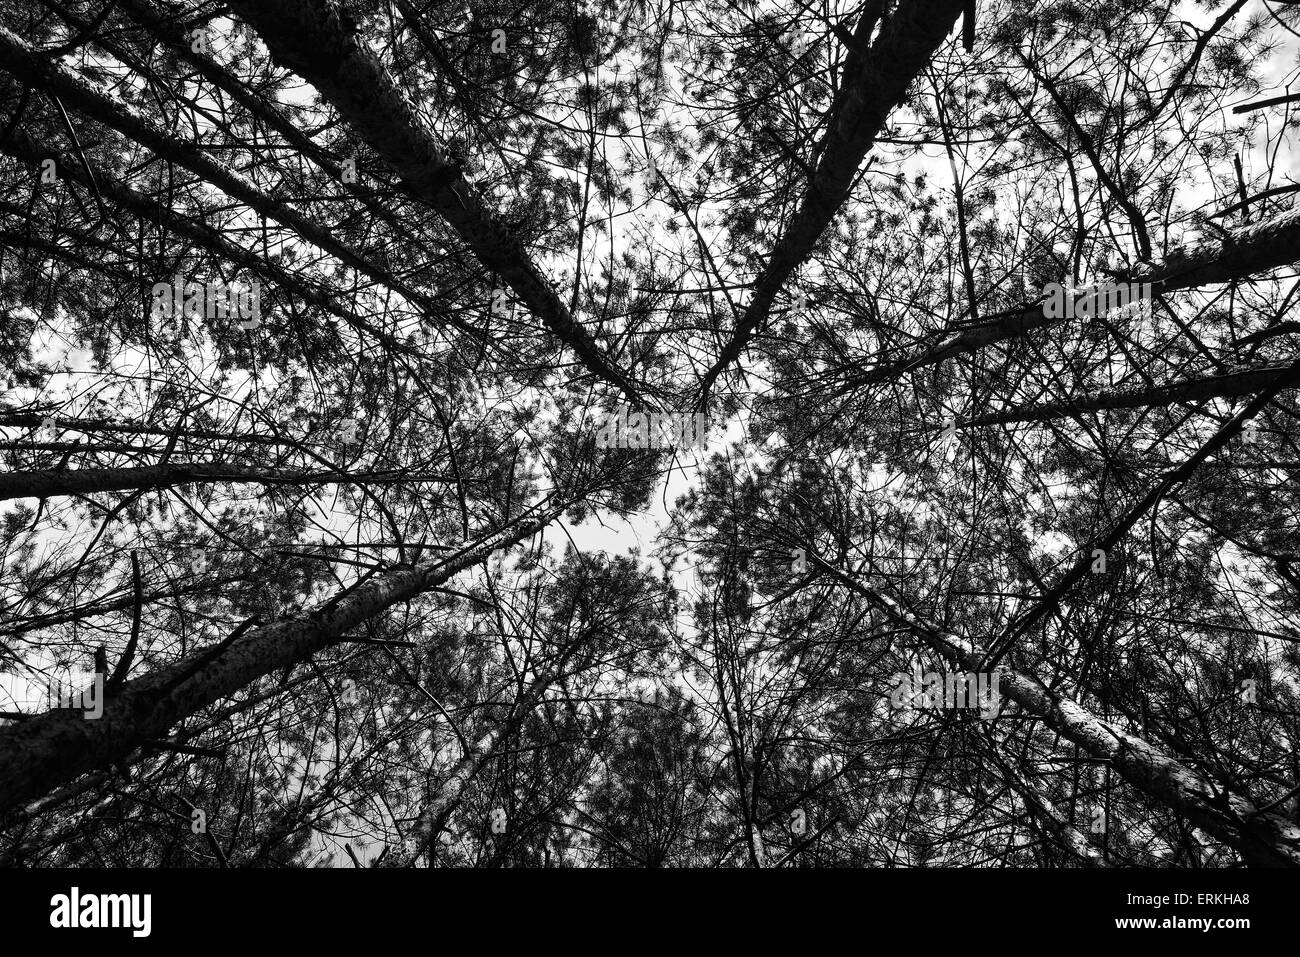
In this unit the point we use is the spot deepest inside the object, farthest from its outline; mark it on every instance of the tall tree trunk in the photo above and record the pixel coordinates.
(874, 82)
(206, 237)
(1246, 252)
(310, 38)
(42, 483)
(1263, 838)
(1227, 385)
(53, 748)
(435, 814)
(27, 64)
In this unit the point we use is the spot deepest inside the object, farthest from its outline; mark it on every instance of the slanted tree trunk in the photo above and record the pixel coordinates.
(875, 81)
(1225, 386)
(1248, 251)
(27, 64)
(52, 749)
(1262, 838)
(311, 39)
(43, 483)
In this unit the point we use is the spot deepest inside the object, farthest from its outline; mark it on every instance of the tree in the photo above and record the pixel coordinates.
(314, 311)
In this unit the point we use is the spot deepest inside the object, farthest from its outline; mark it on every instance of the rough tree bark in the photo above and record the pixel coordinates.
(1243, 253)
(875, 81)
(312, 38)
(46, 482)
(1263, 838)
(54, 748)
(1227, 385)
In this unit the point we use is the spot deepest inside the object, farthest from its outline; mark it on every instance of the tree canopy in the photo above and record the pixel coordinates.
(314, 314)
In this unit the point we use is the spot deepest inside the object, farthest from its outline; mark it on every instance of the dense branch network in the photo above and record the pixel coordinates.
(315, 317)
